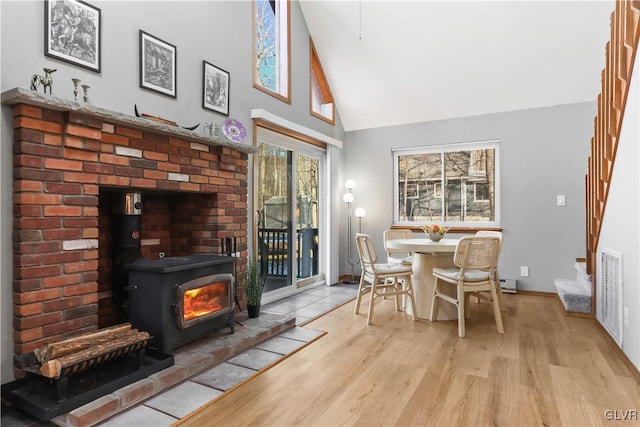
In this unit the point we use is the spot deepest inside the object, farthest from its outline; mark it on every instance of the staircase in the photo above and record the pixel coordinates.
(575, 294)
(620, 54)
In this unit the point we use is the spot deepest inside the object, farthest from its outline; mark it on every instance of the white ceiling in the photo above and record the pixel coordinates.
(397, 62)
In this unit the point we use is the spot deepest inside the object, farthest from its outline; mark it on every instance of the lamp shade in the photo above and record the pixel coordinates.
(348, 197)
(350, 184)
(360, 213)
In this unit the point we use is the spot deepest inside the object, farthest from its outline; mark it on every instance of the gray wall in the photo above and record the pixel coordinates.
(219, 32)
(543, 153)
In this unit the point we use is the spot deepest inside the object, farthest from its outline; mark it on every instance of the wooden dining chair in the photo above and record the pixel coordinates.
(475, 263)
(498, 234)
(397, 256)
(373, 279)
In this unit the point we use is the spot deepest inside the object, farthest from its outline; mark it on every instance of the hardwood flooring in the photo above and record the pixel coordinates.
(546, 370)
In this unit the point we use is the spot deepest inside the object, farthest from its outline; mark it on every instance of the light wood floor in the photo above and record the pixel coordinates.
(546, 370)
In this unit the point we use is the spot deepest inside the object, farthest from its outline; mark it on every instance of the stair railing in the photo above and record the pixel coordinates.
(620, 54)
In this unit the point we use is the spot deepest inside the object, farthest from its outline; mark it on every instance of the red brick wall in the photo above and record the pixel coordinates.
(65, 164)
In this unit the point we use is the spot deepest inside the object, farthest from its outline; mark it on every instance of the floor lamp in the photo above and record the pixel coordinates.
(359, 213)
(348, 199)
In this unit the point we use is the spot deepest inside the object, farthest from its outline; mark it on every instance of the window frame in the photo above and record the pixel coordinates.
(316, 72)
(476, 197)
(283, 64)
(444, 148)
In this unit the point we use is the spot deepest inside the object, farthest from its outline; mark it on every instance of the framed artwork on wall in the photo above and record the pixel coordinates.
(158, 61)
(72, 32)
(215, 88)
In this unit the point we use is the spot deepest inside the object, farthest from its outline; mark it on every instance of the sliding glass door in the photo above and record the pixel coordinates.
(307, 218)
(288, 195)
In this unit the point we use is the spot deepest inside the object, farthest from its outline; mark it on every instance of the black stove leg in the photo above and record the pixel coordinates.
(231, 322)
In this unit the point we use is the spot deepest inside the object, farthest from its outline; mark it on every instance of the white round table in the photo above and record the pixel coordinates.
(427, 255)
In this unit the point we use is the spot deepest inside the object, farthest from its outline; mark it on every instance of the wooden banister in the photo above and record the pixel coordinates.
(620, 54)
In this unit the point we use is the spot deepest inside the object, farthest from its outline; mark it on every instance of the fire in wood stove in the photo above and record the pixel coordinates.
(202, 301)
(202, 298)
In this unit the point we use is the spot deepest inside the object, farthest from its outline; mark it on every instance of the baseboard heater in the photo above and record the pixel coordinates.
(508, 285)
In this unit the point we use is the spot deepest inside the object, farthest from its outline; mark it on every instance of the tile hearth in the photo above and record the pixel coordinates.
(205, 369)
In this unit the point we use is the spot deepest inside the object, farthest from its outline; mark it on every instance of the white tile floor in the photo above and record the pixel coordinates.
(176, 403)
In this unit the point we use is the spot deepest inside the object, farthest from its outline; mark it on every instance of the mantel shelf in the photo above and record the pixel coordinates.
(30, 97)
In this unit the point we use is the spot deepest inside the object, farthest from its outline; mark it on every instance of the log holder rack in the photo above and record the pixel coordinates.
(83, 382)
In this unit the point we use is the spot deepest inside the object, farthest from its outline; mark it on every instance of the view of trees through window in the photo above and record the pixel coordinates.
(446, 186)
(271, 38)
(282, 238)
(274, 187)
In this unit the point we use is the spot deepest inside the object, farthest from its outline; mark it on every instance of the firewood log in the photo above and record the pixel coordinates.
(53, 368)
(60, 348)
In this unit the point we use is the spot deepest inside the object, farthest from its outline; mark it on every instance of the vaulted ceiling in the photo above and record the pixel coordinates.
(398, 62)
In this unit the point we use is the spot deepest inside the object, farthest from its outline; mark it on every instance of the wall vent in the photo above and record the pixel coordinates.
(610, 293)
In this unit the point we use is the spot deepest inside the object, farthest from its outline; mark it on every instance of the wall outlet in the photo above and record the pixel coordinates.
(626, 317)
(524, 271)
(561, 200)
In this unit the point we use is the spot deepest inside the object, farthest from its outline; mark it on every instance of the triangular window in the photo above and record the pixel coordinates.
(322, 105)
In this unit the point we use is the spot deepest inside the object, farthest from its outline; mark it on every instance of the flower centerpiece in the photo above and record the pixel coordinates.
(435, 232)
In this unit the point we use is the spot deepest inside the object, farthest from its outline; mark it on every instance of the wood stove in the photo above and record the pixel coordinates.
(180, 299)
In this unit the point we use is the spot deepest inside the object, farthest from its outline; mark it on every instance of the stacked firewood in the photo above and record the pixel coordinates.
(56, 356)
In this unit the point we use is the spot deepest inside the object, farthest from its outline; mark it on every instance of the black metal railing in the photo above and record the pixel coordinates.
(273, 252)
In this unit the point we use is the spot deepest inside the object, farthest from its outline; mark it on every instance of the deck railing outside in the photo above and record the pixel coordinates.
(274, 252)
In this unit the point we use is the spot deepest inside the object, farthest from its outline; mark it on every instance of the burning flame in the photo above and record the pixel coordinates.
(205, 300)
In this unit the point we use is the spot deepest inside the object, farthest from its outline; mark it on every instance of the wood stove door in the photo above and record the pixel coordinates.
(204, 298)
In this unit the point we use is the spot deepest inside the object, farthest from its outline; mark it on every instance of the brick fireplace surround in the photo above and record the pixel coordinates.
(68, 157)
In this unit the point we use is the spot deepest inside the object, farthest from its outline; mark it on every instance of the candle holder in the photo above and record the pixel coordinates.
(85, 88)
(76, 82)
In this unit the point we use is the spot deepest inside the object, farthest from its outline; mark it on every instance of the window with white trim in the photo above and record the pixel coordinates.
(453, 185)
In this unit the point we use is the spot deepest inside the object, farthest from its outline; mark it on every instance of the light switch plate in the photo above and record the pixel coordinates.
(561, 200)
(626, 317)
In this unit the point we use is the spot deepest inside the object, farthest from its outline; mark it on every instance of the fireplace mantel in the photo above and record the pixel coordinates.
(30, 97)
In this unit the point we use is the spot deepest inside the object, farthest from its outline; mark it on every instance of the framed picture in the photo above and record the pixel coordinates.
(72, 32)
(215, 88)
(157, 65)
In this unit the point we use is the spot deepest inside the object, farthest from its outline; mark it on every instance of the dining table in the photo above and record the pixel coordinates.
(428, 254)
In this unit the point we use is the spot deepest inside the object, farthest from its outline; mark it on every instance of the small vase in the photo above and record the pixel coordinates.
(253, 310)
(85, 97)
(76, 82)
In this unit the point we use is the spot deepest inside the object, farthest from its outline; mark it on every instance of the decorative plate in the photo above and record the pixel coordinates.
(234, 130)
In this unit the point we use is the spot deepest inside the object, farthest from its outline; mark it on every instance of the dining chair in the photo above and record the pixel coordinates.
(475, 263)
(397, 256)
(373, 279)
(498, 234)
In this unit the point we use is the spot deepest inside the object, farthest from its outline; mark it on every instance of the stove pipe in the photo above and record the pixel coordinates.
(126, 222)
